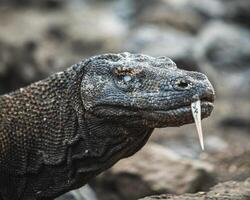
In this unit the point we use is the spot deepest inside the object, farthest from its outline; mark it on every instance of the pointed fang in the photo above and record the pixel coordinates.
(196, 111)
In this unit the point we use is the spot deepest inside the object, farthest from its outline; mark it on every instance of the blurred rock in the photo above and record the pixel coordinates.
(224, 191)
(223, 53)
(18, 66)
(84, 193)
(47, 4)
(187, 146)
(52, 42)
(224, 46)
(236, 122)
(5, 57)
(156, 170)
(169, 42)
(238, 11)
(186, 15)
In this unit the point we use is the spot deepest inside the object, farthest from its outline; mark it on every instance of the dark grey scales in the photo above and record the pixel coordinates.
(57, 134)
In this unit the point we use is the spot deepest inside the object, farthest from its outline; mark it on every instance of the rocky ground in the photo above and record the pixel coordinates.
(228, 190)
(38, 38)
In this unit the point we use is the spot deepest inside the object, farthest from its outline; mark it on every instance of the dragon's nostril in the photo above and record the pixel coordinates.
(182, 84)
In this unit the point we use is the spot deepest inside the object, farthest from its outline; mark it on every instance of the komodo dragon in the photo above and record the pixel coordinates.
(58, 133)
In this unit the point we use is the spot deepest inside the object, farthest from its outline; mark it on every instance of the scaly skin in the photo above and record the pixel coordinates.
(56, 134)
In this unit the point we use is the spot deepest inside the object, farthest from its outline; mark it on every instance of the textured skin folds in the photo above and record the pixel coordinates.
(58, 133)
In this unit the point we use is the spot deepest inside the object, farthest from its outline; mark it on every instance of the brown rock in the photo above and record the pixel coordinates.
(157, 41)
(156, 170)
(187, 15)
(223, 54)
(224, 191)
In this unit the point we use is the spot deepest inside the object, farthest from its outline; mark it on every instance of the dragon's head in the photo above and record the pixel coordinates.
(139, 90)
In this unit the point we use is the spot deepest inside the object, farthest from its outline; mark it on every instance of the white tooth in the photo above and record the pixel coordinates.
(196, 111)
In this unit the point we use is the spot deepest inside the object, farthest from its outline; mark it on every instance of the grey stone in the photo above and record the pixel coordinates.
(48, 4)
(187, 15)
(222, 51)
(238, 11)
(223, 191)
(52, 42)
(162, 41)
(84, 193)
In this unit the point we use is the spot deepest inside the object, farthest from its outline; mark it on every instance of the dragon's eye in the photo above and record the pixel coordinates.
(124, 74)
(127, 78)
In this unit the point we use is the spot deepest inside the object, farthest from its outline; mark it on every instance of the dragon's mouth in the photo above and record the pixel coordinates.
(175, 116)
(185, 109)
(206, 100)
(178, 108)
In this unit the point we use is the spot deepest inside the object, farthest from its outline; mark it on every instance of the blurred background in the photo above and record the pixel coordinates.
(40, 37)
